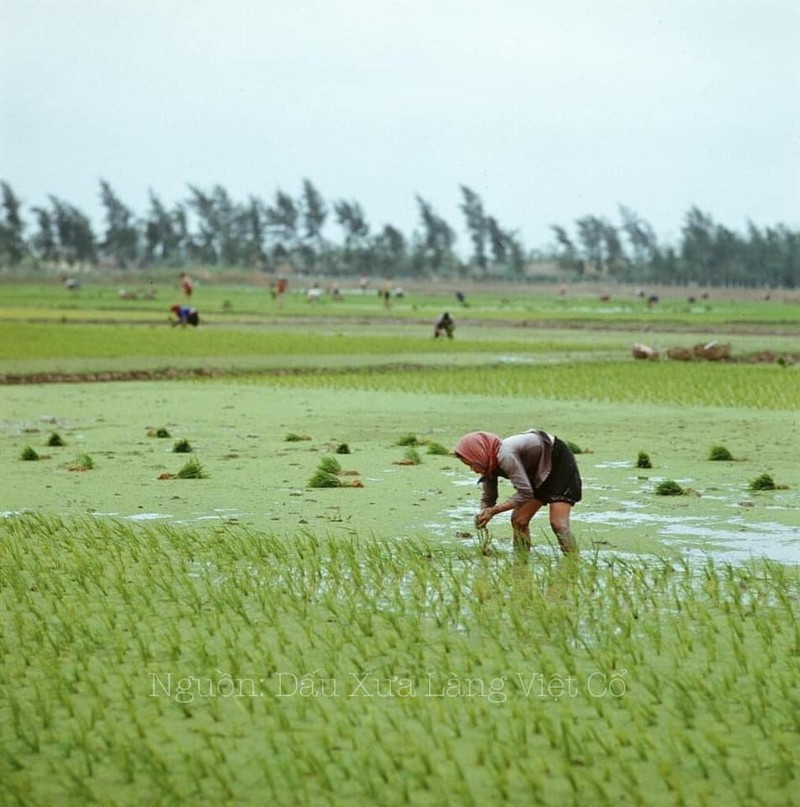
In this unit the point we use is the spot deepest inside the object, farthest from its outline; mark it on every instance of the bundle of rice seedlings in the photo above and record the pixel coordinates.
(330, 465)
(643, 460)
(83, 462)
(328, 474)
(182, 447)
(719, 454)
(408, 440)
(669, 488)
(292, 437)
(438, 449)
(192, 470)
(161, 431)
(574, 447)
(55, 440)
(29, 454)
(485, 542)
(343, 448)
(324, 479)
(762, 482)
(412, 456)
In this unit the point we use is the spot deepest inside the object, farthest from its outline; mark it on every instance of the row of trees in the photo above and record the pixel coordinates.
(293, 234)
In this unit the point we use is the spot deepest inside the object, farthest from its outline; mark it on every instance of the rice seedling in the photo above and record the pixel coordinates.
(719, 454)
(83, 462)
(182, 446)
(55, 440)
(328, 475)
(485, 542)
(574, 447)
(669, 487)
(411, 456)
(643, 460)
(192, 469)
(342, 448)
(438, 449)
(407, 440)
(162, 432)
(762, 482)
(294, 437)
(29, 454)
(330, 465)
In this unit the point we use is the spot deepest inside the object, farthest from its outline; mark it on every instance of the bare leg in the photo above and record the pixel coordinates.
(520, 519)
(559, 522)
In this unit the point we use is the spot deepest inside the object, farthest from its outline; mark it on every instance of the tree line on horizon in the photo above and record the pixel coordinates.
(290, 234)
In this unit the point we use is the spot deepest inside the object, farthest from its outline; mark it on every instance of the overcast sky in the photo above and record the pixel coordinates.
(548, 109)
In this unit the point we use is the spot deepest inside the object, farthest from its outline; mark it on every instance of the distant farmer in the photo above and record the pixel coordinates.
(187, 287)
(279, 289)
(542, 469)
(444, 326)
(184, 315)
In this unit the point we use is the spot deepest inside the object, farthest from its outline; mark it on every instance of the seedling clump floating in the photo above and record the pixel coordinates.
(330, 465)
(643, 460)
(328, 475)
(719, 454)
(763, 482)
(293, 437)
(83, 462)
(669, 487)
(438, 449)
(408, 440)
(29, 454)
(410, 456)
(161, 432)
(182, 447)
(324, 479)
(55, 440)
(192, 470)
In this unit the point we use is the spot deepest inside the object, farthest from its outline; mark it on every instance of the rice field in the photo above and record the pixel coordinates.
(168, 666)
(203, 625)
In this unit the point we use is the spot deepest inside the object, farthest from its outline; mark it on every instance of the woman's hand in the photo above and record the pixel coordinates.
(484, 517)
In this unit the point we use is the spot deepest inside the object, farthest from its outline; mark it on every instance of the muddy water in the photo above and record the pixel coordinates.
(258, 479)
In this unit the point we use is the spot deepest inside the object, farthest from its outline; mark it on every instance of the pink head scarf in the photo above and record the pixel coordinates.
(479, 448)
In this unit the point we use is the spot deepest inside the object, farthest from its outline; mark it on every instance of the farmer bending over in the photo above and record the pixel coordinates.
(444, 326)
(541, 468)
(185, 315)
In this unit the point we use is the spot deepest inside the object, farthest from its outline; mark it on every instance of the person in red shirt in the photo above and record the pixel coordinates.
(187, 286)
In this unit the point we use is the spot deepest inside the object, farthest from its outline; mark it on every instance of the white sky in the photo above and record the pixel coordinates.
(548, 109)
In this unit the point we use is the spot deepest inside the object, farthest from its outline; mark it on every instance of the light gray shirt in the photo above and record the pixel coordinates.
(526, 461)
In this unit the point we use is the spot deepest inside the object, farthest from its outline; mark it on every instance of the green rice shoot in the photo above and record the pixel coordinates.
(411, 456)
(324, 479)
(719, 454)
(330, 465)
(669, 487)
(193, 469)
(408, 440)
(763, 482)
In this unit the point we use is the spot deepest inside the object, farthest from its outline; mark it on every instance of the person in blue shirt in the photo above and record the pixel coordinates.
(185, 315)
